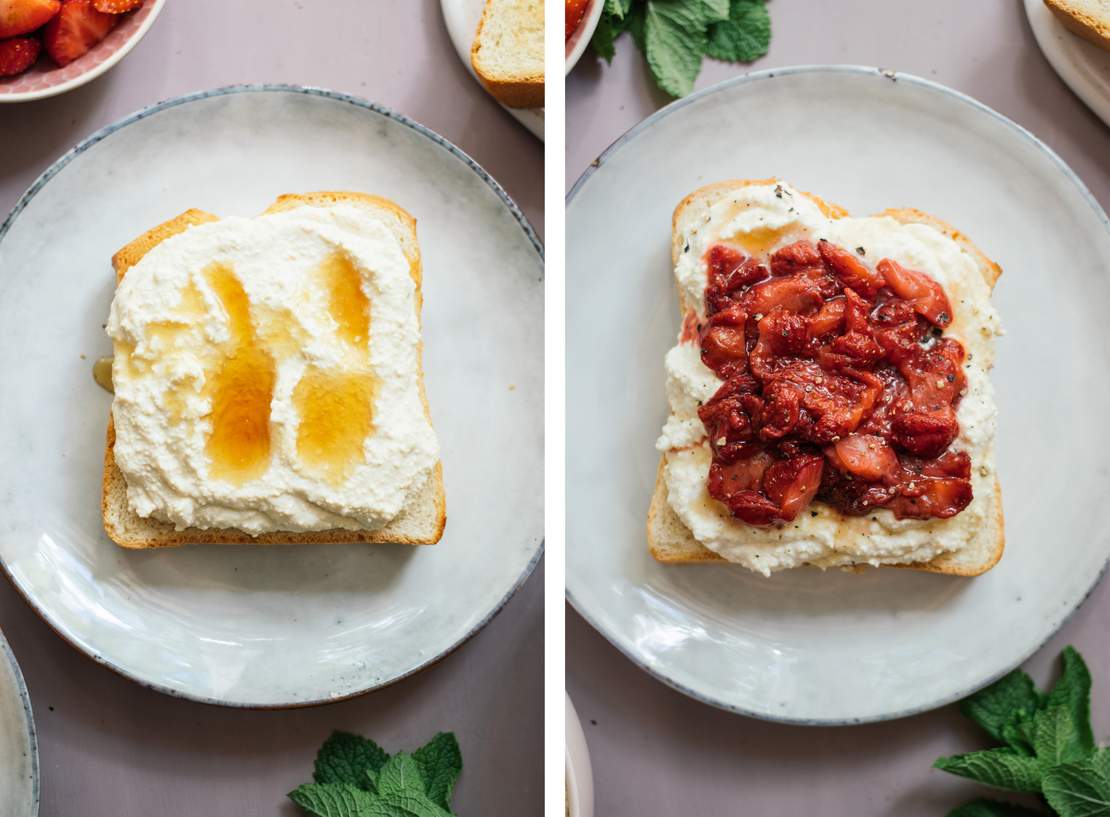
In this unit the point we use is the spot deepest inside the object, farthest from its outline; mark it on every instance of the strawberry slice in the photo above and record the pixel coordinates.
(863, 455)
(850, 269)
(116, 6)
(24, 16)
(17, 55)
(76, 29)
(793, 483)
(924, 294)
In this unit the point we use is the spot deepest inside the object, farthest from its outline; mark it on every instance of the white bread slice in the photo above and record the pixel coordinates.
(1090, 19)
(507, 53)
(420, 523)
(671, 542)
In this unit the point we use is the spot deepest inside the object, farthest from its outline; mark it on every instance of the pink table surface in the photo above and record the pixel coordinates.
(109, 747)
(656, 752)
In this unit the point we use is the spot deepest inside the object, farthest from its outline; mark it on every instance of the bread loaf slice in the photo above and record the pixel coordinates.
(420, 523)
(671, 542)
(1090, 19)
(507, 53)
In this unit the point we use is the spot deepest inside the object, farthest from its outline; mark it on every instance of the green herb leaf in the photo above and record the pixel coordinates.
(744, 36)
(1002, 768)
(635, 22)
(617, 8)
(1073, 691)
(992, 808)
(333, 800)
(1055, 738)
(401, 791)
(440, 762)
(675, 40)
(344, 758)
(1003, 704)
(715, 11)
(1077, 790)
(605, 37)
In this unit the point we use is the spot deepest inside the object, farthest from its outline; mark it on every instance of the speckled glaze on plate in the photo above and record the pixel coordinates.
(19, 756)
(269, 626)
(1082, 65)
(46, 79)
(834, 648)
(461, 18)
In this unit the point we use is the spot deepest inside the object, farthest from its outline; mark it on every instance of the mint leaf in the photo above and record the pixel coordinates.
(617, 8)
(1077, 790)
(344, 758)
(401, 791)
(440, 762)
(1003, 704)
(635, 23)
(1100, 762)
(744, 36)
(1001, 768)
(333, 800)
(675, 40)
(1073, 691)
(992, 808)
(715, 11)
(1055, 738)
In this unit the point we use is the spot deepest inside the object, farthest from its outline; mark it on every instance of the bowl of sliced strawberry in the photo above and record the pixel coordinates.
(48, 47)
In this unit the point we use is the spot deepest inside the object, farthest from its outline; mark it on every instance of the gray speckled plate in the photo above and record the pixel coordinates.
(268, 626)
(806, 646)
(19, 756)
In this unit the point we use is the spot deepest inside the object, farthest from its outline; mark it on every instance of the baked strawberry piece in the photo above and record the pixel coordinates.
(24, 16)
(17, 55)
(75, 30)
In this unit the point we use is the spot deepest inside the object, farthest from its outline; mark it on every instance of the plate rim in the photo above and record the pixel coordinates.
(442, 142)
(889, 76)
(1062, 58)
(32, 734)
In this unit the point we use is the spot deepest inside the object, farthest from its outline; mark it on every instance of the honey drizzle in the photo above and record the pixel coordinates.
(241, 388)
(347, 303)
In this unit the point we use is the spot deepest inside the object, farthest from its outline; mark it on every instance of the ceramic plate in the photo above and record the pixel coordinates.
(268, 626)
(806, 646)
(461, 17)
(579, 41)
(19, 756)
(580, 778)
(1082, 65)
(46, 79)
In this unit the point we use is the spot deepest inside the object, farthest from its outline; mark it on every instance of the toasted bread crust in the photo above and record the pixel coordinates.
(1077, 21)
(128, 530)
(521, 91)
(671, 542)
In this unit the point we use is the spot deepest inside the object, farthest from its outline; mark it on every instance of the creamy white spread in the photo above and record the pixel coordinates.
(169, 325)
(821, 535)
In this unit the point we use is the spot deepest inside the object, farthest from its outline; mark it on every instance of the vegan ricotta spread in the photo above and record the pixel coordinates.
(267, 375)
(810, 488)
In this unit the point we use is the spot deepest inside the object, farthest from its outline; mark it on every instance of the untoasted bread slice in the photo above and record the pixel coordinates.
(1090, 19)
(420, 523)
(507, 53)
(671, 542)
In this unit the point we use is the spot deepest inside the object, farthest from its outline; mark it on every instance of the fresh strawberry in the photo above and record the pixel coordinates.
(17, 55)
(23, 16)
(116, 6)
(76, 29)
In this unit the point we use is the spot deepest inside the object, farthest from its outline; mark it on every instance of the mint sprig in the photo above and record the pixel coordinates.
(676, 34)
(354, 777)
(1048, 745)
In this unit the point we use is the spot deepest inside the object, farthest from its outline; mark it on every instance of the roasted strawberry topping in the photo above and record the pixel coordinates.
(839, 385)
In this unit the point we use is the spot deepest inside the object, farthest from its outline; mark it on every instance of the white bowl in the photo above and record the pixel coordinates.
(580, 40)
(580, 778)
(44, 80)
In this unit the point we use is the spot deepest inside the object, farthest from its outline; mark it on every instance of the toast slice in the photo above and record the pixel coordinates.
(420, 523)
(507, 54)
(1090, 19)
(670, 540)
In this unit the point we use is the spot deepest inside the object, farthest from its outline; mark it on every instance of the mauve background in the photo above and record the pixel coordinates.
(109, 747)
(656, 752)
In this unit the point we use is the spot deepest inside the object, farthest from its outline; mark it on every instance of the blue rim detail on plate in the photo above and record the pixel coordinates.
(884, 76)
(32, 735)
(357, 102)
